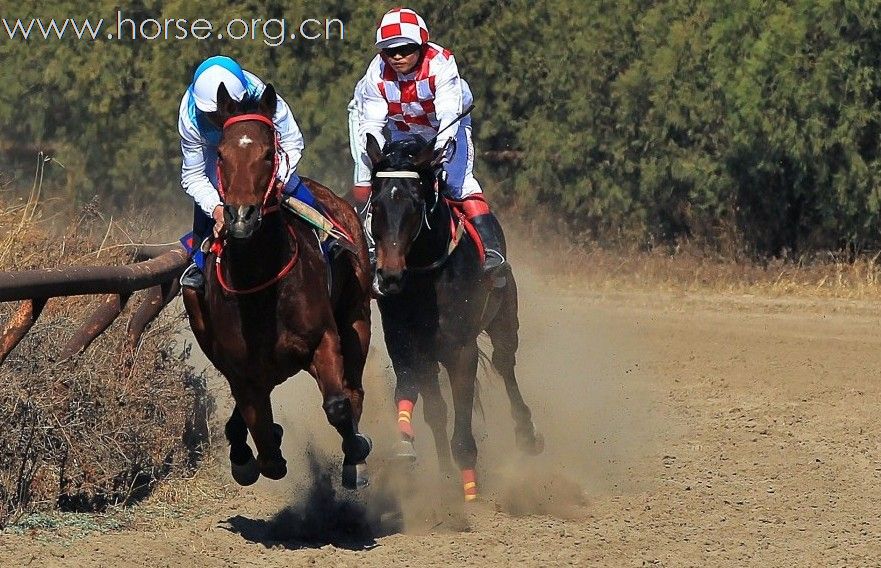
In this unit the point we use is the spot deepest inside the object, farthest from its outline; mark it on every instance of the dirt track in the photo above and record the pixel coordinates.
(696, 431)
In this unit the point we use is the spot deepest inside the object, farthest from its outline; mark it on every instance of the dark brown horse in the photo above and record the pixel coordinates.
(267, 311)
(434, 303)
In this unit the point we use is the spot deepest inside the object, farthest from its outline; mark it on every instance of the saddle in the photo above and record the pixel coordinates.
(330, 232)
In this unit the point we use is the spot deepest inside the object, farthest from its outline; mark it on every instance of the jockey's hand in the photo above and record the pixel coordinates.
(279, 186)
(217, 214)
(443, 153)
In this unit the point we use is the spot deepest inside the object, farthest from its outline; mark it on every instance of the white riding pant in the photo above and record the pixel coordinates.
(459, 168)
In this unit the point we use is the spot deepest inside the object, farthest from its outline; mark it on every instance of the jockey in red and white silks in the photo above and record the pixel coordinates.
(421, 102)
(412, 87)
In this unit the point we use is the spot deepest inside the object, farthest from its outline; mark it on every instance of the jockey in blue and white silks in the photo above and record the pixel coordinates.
(200, 136)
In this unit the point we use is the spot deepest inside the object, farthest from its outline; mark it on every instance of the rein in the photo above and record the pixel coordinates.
(218, 246)
(274, 280)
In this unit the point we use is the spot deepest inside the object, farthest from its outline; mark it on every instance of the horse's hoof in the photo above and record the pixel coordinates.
(358, 449)
(405, 451)
(247, 473)
(531, 443)
(275, 469)
(355, 476)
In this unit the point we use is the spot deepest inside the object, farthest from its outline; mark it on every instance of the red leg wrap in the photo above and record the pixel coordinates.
(405, 416)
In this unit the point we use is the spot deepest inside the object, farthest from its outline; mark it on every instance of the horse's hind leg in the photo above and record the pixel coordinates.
(502, 331)
(327, 368)
(241, 458)
(461, 365)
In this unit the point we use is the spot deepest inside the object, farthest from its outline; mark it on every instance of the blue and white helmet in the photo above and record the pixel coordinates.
(208, 77)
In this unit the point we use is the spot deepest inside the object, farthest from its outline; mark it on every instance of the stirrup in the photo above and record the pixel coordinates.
(193, 277)
(495, 268)
(334, 248)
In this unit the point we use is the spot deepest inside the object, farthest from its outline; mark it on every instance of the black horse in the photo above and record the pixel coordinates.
(434, 301)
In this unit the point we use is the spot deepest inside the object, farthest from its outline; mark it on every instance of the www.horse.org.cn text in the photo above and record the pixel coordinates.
(272, 32)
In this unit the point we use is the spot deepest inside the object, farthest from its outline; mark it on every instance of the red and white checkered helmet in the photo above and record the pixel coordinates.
(401, 26)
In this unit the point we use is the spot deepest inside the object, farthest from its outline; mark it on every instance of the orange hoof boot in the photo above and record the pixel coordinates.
(469, 484)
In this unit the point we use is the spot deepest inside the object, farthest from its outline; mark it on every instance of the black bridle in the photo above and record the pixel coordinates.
(426, 211)
(413, 174)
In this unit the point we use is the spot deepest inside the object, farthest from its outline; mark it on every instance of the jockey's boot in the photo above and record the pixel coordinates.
(489, 230)
(192, 276)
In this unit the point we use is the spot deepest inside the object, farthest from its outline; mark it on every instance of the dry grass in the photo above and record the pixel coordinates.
(690, 268)
(90, 432)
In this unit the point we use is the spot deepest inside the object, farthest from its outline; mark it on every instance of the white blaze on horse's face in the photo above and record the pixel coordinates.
(245, 141)
(394, 191)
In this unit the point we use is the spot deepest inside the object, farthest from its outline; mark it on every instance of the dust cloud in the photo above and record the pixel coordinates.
(578, 370)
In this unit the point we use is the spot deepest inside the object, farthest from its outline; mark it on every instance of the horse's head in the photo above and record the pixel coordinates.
(247, 159)
(403, 181)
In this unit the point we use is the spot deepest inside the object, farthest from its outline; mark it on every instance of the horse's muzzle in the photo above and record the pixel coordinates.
(242, 221)
(388, 281)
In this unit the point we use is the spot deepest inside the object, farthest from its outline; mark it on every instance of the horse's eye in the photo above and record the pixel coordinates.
(269, 156)
(219, 156)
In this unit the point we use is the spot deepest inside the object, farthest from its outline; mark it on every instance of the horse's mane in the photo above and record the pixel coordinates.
(249, 103)
(400, 154)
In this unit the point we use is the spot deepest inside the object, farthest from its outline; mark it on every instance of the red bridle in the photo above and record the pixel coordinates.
(217, 246)
(276, 161)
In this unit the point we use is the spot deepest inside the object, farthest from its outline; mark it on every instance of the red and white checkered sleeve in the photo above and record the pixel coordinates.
(447, 98)
(374, 107)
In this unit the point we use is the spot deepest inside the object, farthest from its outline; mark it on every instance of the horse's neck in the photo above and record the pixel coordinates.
(257, 259)
(434, 237)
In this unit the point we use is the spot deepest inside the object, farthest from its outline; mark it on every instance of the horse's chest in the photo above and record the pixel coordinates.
(274, 339)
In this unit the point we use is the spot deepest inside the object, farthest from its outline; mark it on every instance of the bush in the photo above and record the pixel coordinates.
(103, 427)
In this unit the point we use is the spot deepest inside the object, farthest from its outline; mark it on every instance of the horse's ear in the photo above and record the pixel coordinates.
(374, 152)
(226, 105)
(268, 102)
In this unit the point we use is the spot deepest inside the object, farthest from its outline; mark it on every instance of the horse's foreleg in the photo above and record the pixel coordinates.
(402, 349)
(327, 368)
(256, 410)
(461, 365)
(354, 343)
(195, 306)
(503, 331)
(241, 458)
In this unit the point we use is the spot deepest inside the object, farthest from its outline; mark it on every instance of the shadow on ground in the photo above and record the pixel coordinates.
(325, 514)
